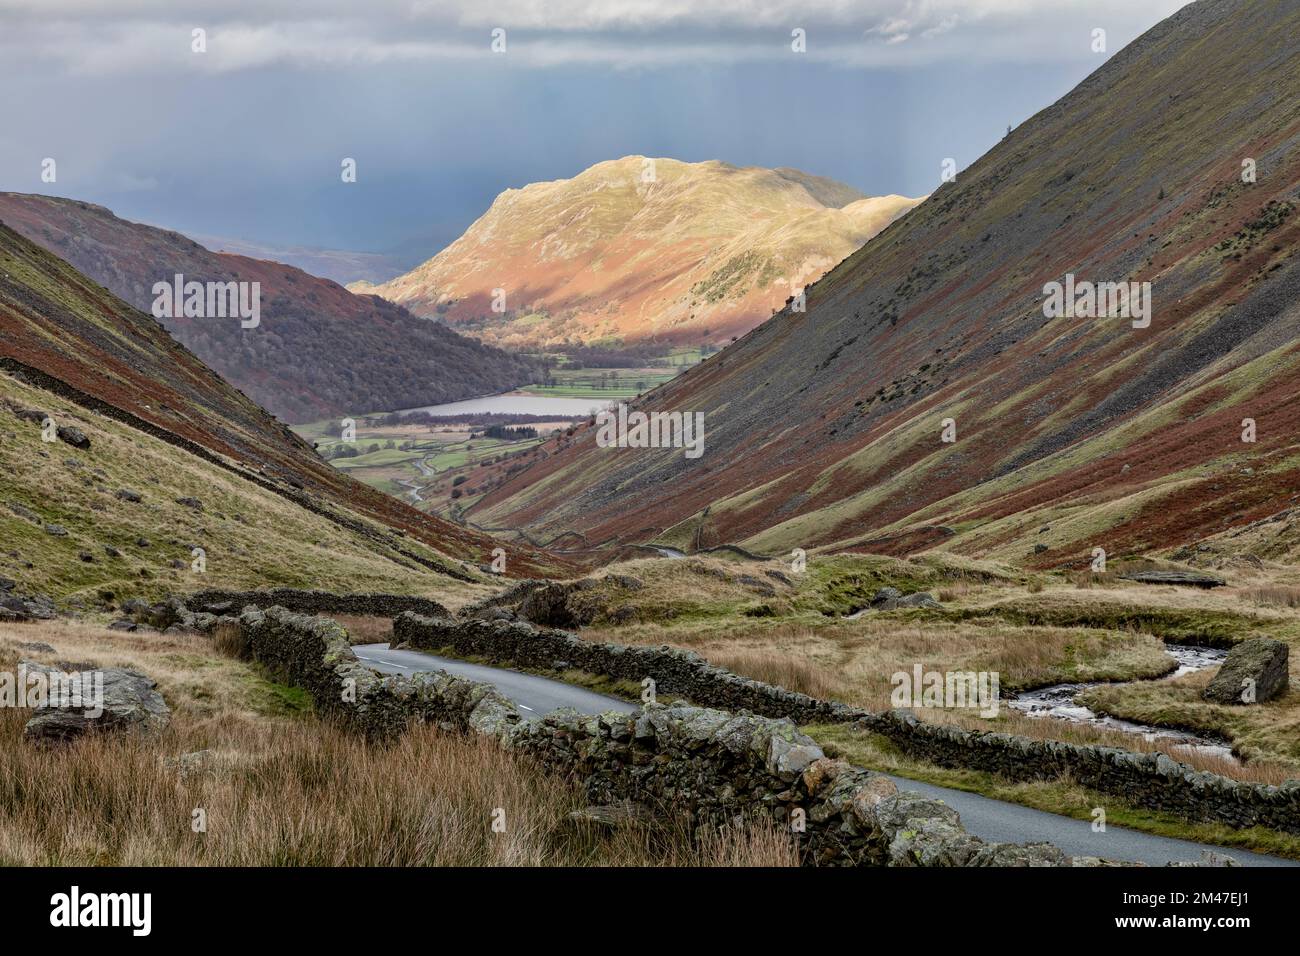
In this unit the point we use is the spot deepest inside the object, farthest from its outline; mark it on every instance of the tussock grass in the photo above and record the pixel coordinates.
(781, 669)
(290, 790)
(1273, 596)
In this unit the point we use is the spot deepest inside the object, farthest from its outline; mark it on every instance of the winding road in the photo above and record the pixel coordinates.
(989, 819)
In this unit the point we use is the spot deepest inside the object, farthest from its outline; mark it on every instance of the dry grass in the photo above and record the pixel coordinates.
(292, 790)
(366, 629)
(1273, 595)
(853, 661)
(775, 667)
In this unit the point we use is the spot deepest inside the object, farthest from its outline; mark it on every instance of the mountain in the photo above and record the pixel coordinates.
(337, 265)
(319, 350)
(156, 455)
(824, 428)
(702, 253)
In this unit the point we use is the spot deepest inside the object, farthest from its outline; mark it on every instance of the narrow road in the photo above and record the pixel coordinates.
(534, 696)
(989, 819)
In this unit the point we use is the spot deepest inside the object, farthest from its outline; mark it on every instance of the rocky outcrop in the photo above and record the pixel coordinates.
(1253, 672)
(24, 607)
(891, 599)
(562, 604)
(111, 699)
(1194, 579)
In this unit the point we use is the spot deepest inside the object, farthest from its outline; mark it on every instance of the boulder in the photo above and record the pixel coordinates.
(73, 436)
(1193, 579)
(550, 606)
(1261, 663)
(129, 703)
(889, 599)
(22, 511)
(21, 607)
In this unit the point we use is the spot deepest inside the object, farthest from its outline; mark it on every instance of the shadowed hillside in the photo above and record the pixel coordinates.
(71, 350)
(319, 350)
(823, 429)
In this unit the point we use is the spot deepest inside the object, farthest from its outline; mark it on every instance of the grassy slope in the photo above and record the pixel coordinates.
(56, 321)
(253, 537)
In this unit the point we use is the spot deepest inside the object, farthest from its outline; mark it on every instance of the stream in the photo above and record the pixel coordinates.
(1059, 701)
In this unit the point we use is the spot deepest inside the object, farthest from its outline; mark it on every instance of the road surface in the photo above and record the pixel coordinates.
(989, 819)
(534, 696)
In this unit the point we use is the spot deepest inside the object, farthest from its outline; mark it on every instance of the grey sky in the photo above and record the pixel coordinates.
(245, 140)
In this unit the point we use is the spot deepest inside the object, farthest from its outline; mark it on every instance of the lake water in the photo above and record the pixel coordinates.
(515, 404)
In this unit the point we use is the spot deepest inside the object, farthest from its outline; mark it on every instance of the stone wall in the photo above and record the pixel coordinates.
(1153, 781)
(675, 671)
(315, 654)
(313, 602)
(708, 765)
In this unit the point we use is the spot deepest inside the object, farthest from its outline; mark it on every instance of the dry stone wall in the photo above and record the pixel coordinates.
(674, 671)
(1153, 781)
(215, 601)
(712, 766)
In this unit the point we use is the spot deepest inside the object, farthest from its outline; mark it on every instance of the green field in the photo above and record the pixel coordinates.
(608, 383)
(409, 460)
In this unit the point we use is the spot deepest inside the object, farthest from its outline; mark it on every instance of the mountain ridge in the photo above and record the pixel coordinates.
(639, 249)
(319, 351)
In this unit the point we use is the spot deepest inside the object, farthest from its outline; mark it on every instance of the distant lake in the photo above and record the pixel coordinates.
(514, 404)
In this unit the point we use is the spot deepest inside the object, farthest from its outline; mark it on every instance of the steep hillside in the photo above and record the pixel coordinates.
(824, 429)
(337, 265)
(319, 350)
(161, 424)
(702, 253)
